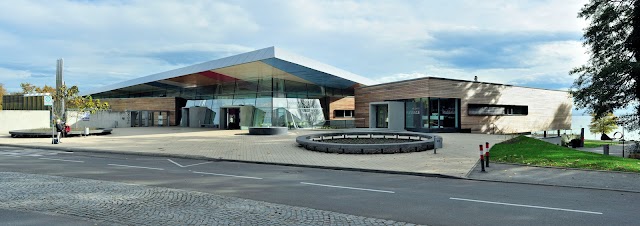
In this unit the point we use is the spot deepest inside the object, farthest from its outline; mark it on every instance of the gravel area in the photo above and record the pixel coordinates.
(120, 203)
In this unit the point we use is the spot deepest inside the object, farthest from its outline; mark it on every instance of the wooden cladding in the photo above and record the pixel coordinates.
(340, 103)
(545, 109)
(145, 104)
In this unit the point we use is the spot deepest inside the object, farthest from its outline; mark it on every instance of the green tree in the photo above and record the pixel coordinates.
(27, 88)
(79, 103)
(45, 89)
(610, 79)
(73, 100)
(603, 125)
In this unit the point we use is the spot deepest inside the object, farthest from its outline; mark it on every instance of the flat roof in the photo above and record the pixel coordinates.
(459, 80)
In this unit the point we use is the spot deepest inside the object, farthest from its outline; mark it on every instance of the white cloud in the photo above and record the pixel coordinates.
(546, 63)
(6, 74)
(107, 42)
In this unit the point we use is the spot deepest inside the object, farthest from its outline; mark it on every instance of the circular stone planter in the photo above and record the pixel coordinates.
(381, 142)
(267, 130)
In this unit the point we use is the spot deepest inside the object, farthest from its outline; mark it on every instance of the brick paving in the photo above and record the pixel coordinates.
(119, 203)
(458, 156)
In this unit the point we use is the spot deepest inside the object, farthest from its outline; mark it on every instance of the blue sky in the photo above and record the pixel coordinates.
(530, 43)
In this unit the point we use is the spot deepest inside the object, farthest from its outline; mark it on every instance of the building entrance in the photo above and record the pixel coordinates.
(382, 118)
(432, 114)
(149, 118)
(233, 118)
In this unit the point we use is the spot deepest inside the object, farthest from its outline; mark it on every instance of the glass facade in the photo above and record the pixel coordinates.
(265, 96)
(432, 114)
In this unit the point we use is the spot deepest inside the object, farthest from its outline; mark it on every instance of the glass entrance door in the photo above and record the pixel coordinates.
(444, 113)
(233, 118)
(382, 116)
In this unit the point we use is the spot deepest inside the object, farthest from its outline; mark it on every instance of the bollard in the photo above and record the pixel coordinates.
(487, 153)
(481, 159)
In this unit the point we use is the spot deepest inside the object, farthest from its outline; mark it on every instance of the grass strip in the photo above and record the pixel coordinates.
(530, 151)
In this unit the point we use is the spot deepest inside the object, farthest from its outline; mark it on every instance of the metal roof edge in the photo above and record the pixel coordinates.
(242, 58)
(460, 80)
(319, 66)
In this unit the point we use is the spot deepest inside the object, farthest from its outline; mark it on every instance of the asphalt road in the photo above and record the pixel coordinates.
(24, 218)
(421, 200)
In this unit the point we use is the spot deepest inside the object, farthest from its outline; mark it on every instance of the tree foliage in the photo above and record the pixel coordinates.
(70, 96)
(28, 88)
(609, 80)
(73, 100)
(603, 125)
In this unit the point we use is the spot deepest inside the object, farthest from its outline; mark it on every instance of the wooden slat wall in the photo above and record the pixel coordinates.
(340, 103)
(548, 109)
(145, 104)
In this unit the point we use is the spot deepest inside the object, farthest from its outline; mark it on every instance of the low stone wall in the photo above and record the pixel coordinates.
(267, 130)
(40, 133)
(100, 119)
(22, 119)
(419, 142)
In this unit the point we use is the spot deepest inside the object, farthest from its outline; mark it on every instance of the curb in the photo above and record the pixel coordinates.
(565, 168)
(551, 185)
(466, 176)
(199, 157)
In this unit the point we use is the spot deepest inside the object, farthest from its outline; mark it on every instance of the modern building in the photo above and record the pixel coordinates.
(266, 87)
(23, 102)
(272, 87)
(447, 105)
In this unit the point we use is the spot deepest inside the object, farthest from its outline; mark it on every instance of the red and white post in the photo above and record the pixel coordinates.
(482, 158)
(486, 155)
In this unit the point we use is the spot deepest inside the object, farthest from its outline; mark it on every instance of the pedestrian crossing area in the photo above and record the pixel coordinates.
(26, 152)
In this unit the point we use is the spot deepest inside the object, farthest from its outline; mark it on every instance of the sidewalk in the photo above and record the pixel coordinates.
(614, 149)
(456, 159)
(559, 177)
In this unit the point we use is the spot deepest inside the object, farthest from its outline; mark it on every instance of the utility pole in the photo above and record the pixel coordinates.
(59, 107)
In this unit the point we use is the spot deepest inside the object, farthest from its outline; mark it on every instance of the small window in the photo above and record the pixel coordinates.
(490, 109)
(343, 113)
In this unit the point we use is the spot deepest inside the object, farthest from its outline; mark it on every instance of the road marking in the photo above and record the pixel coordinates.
(228, 175)
(141, 167)
(178, 164)
(64, 160)
(528, 206)
(334, 186)
(197, 164)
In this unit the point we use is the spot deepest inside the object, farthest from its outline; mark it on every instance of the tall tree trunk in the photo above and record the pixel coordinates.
(634, 42)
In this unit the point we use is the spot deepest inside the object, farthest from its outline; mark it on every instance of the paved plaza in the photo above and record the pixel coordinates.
(457, 158)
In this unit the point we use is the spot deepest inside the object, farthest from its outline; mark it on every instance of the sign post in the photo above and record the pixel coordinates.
(48, 101)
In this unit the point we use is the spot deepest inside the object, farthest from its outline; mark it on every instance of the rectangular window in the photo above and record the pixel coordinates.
(343, 113)
(491, 109)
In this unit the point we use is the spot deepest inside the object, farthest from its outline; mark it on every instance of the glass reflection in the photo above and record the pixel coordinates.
(277, 98)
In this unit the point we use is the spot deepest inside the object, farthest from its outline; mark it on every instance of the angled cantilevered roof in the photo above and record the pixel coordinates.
(288, 65)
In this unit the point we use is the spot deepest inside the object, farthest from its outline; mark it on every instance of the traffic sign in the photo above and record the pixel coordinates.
(48, 101)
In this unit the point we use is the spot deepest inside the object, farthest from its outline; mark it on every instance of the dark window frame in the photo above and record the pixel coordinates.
(343, 113)
(509, 110)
